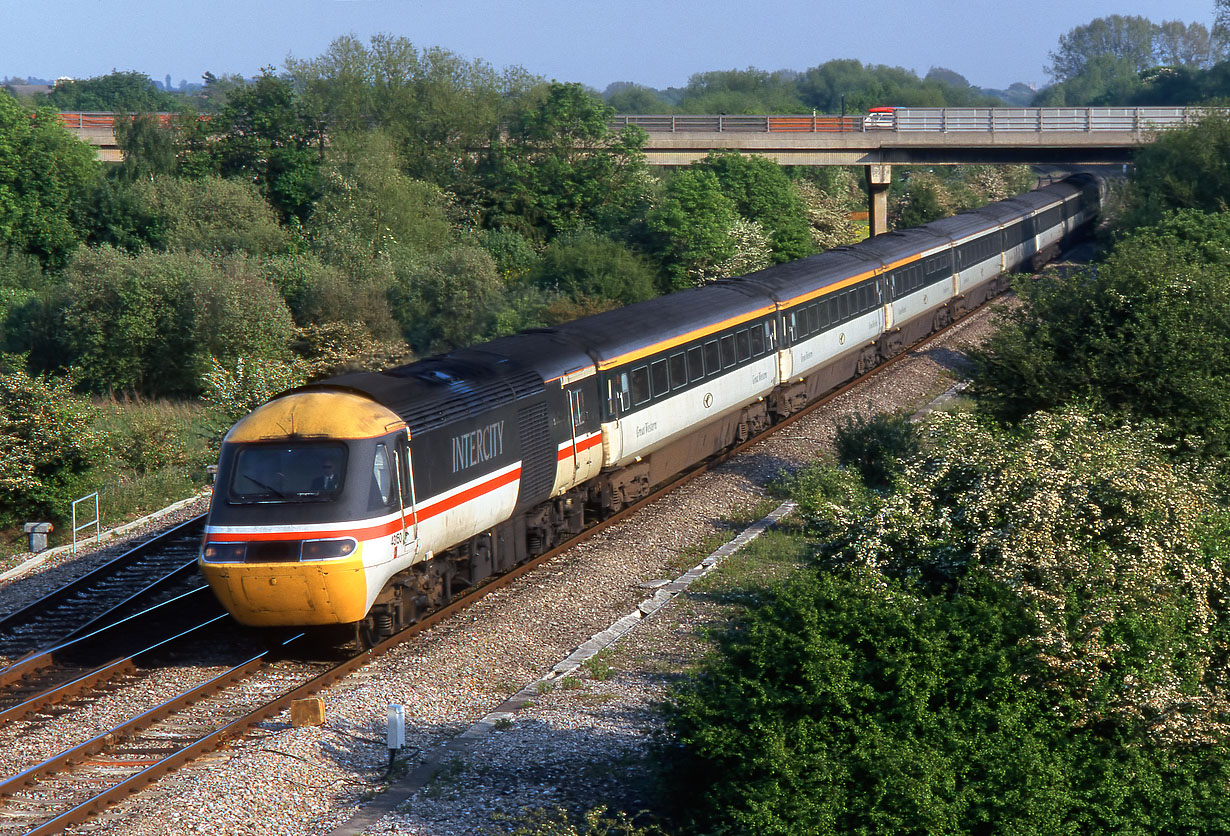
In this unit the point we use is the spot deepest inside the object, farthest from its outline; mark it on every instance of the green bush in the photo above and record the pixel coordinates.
(1143, 336)
(148, 323)
(212, 215)
(877, 447)
(51, 448)
(514, 255)
(233, 390)
(585, 265)
(1182, 169)
(446, 301)
(596, 821)
(319, 293)
(849, 706)
(1027, 638)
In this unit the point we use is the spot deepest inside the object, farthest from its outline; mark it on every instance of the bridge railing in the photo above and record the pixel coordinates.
(1040, 120)
(934, 119)
(740, 124)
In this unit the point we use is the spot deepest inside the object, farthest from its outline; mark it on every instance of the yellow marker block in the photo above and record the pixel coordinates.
(309, 712)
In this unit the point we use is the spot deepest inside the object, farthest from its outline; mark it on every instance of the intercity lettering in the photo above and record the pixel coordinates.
(478, 446)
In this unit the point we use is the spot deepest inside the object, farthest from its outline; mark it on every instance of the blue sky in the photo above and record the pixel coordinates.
(659, 43)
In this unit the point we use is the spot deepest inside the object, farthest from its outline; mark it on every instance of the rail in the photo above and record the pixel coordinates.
(935, 119)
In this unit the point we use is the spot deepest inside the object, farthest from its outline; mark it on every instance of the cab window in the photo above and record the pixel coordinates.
(287, 473)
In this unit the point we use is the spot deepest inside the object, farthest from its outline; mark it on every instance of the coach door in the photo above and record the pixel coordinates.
(409, 509)
(576, 413)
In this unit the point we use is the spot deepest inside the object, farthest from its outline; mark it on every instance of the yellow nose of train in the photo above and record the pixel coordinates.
(304, 510)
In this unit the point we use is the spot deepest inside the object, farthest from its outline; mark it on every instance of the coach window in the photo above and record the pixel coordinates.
(744, 343)
(660, 378)
(823, 320)
(757, 339)
(640, 385)
(844, 306)
(679, 371)
(713, 358)
(791, 331)
(696, 363)
(617, 394)
(728, 351)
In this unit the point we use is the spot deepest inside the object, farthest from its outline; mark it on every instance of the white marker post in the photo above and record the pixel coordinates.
(396, 731)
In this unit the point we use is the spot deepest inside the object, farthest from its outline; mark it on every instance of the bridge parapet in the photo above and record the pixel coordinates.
(933, 119)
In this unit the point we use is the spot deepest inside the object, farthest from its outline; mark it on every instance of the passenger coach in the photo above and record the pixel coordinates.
(366, 499)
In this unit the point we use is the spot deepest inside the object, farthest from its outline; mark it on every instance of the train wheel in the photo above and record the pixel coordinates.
(364, 639)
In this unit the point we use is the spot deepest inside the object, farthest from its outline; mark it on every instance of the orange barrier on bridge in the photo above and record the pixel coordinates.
(812, 124)
(79, 120)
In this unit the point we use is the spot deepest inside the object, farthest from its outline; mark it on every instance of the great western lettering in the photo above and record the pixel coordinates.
(478, 446)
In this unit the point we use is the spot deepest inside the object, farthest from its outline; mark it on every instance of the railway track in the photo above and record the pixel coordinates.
(70, 786)
(155, 571)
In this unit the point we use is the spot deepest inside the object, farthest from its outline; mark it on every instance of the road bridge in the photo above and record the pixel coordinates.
(915, 136)
(893, 136)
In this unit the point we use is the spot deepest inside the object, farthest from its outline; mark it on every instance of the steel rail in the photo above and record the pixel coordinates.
(87, 584)
(48, 657)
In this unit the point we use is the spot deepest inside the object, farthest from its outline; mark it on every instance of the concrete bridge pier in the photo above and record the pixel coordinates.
(879, 176)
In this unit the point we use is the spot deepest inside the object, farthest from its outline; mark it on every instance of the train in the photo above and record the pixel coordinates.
(362, 501)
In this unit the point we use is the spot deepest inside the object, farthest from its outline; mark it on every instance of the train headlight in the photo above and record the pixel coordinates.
(326, 549)
(224, 552)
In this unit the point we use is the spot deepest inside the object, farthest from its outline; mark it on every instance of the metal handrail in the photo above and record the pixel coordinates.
(96, 522)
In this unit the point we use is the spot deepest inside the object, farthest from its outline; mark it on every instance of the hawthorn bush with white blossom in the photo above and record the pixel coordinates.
(1025, 633)
(1110, 545)
(50, 447)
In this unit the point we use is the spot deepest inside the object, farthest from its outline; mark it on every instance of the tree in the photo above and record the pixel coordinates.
(46, 182)
(741, 91)
(116, 92)
(762, 193)
(369, 208)
(436, 106)
(148, 147)
(1183, 169)
(848, 83)
(1221, 25)
(1129, 38)
(1144, 337)
(563, 169)
(1178, 44)
(269, 138)
(691, 228)
(626, 97)
(1104, 81)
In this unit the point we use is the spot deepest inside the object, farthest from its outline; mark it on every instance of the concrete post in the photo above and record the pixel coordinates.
(37, 533)
(879, 176)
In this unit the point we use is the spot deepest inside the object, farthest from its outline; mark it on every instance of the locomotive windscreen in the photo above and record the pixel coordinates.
(287, 473)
